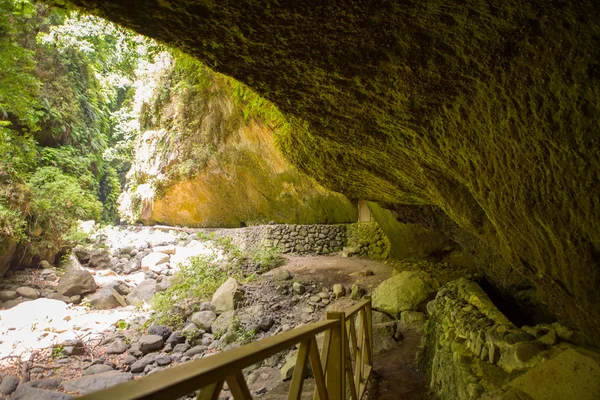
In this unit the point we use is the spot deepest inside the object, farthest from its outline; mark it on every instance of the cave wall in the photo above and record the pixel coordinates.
(487, 110)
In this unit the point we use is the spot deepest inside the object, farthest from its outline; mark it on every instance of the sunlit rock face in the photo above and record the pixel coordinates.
(486, 111)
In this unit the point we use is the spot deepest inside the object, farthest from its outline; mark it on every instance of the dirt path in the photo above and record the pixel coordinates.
(395, 375)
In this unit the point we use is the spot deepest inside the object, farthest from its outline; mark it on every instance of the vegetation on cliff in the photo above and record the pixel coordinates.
(65, 100)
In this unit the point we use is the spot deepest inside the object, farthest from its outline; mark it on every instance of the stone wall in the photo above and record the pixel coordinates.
(472, 349)
(365, 239)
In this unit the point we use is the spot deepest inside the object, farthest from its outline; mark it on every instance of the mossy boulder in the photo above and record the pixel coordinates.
(406, 291)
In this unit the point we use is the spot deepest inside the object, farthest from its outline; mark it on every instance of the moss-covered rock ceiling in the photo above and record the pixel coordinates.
(485, 112)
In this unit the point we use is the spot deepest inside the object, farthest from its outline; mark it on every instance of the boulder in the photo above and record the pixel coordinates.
(407, 291)
(76, 280)
(227, 296)
(203, 319)
(169, 249)
(142, 292)
(338, 290)
(140, 365)
(93, 383)
(413, 319)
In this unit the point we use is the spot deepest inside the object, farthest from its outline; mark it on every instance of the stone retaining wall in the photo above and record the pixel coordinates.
(364, 239)
(472, 349)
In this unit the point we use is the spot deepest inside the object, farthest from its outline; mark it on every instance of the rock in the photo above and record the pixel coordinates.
(383, 337)
(163, 283)
(28, 293)
(106, 299)
(224, 322)
(406, 291)
(150, 343)
(163, 360)
(282, 275)
(227, 296)
(30, 392)
(298, 288)
(169, 249)
(93, 383)
(9, 384)
(140, 365)
(97, 369)
(315, 298)
(99, 259)
(195, 350)
(76, 281)
(265, 323)
(45, 265)
(117, 347)
(357, 292)
(142, 293)
(176, 338)
(572, 374)
(338, 290)
(290, 363)
(6, 295)
(413, 319)
(73, 347)
(154, 262)
(129, 359)
(160, 330)
(203, 319)
(48, 383)
(181, 348)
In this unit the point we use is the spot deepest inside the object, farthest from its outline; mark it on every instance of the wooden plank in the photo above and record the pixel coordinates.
(210, 392)
(325, 350)
(356, 308)
(353, 341)
(173, 383)
(369, 332)
(239, 388)
(336, 365)
(358, 367)
(315, 362)
(349, 373)
(299, 370)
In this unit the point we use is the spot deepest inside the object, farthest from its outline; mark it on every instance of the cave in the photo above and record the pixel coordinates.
(468, 131)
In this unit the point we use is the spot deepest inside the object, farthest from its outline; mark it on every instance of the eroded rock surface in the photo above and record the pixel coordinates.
(482, 117)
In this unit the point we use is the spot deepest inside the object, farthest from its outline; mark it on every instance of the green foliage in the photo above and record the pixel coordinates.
(57, 202)
(57, 351)
(12, 223)
(243, 336)
(121, 325)
(197, 279)
(110, 187)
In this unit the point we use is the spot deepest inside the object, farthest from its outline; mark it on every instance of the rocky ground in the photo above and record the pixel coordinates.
(86, 326)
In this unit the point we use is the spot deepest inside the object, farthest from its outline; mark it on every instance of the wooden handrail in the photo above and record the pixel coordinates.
(208, 374)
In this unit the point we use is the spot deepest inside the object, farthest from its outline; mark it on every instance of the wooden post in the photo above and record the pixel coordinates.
(336, 368)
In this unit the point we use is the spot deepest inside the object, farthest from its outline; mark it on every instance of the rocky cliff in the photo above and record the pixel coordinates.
(206, 157)
(485, 113)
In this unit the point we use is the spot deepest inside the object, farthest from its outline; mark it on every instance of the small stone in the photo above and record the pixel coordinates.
(357, 292)
(163, 360)
(265, 323)
(315, 298)
(525, 351)
(195, 350)
(6, 295)
(323, 295)
(338, 290)
(160, 330)
(298, 288)
(181, 348)
(176, 338)
(141, 364)
(282, 275)
(28, 293)
(117, 347)
(93, 383)
(150, 343)
(129, 359)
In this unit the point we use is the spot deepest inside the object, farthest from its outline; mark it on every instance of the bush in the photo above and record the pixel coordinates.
(57, 203)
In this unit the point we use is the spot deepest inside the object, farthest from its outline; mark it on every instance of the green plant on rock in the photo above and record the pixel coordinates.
(57, 351)
(243, 336)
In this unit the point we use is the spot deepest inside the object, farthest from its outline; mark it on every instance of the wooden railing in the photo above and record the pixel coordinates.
(346, 352)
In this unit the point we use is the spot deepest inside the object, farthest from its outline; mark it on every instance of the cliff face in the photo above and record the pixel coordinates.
(206, 157)
(485, 113)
